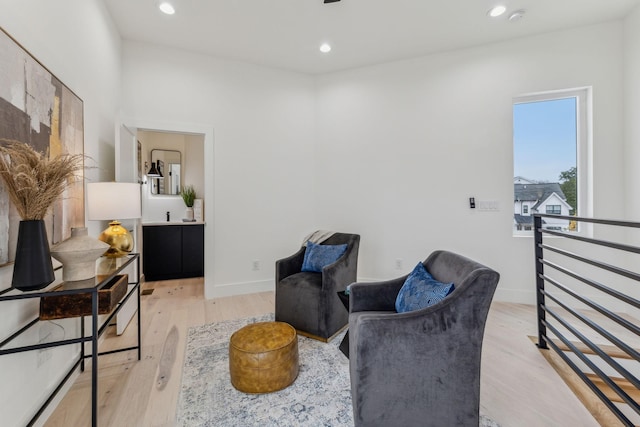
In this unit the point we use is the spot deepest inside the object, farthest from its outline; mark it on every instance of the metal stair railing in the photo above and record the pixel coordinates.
(560, 297)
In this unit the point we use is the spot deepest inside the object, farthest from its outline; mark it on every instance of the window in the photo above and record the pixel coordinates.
(551, 140)
(554, 209)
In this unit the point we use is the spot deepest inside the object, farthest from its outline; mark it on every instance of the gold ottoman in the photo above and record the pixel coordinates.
(263, 357)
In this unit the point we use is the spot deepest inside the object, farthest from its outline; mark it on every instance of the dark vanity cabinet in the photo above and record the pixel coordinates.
(172, 251)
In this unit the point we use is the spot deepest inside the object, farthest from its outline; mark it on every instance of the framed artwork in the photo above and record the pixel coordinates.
(38, 109)
(140, 171)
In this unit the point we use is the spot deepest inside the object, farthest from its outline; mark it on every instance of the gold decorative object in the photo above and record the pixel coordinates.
(118, 238)
(110, 200)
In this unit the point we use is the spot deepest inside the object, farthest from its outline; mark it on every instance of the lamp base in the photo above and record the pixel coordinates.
(119, 240)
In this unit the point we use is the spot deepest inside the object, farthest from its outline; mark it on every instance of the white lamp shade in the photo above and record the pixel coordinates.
(113, 201)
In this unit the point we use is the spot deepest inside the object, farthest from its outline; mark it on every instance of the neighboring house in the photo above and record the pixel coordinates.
(530, 198)
(521, 180)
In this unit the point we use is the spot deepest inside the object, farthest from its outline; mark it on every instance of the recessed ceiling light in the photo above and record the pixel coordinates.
(496, 11)
(325, 48)
(517, 15)
(167, 8)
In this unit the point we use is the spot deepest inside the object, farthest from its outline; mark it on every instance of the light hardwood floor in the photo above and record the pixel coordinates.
(519, 387)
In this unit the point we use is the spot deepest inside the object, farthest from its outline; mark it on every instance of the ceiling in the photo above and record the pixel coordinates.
(287, 33)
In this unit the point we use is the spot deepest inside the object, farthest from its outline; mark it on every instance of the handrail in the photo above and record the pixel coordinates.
(571, 319)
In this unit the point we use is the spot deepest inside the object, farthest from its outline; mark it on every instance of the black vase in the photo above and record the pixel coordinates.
(33, 268)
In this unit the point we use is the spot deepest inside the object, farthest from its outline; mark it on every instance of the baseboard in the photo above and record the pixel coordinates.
(241, 288)
(515, 296)
(230, 289)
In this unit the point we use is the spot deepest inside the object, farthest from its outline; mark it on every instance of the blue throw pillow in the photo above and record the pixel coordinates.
(421, 290)
(318, 256)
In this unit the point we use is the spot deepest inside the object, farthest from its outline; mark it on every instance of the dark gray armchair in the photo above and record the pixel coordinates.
(420, 368)
(309, 301)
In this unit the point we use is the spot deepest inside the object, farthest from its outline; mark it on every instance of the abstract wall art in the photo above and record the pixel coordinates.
(38, 109)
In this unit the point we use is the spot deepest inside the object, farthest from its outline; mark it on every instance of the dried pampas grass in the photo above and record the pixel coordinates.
(34, 181)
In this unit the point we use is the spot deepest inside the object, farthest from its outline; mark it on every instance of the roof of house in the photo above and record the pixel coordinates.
(521, 180)
(523, 219)
(536, 192)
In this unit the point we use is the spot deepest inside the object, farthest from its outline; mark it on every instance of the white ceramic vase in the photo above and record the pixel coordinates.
(188, 214)
(78, 255)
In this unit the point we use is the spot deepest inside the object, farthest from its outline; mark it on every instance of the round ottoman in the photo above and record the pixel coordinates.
(263, 357)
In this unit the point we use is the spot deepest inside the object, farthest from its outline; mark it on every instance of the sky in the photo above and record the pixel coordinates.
(544, 135)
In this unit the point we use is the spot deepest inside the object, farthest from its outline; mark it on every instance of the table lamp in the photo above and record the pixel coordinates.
(113, 201)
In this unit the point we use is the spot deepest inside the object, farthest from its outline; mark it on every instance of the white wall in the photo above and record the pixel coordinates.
(259, 186)
(398, 150)
(77, 42)
(632, 112)
(194, 161)
(405, 145)
(632, 134)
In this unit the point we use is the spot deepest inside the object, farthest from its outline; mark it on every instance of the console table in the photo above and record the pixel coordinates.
(107, 269)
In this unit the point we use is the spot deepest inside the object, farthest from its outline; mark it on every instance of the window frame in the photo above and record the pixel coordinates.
(584, 147)
(555, 211)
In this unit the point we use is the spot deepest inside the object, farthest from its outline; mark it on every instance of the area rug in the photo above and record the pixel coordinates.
(320, 396)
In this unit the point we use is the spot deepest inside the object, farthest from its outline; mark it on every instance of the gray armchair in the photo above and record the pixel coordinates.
(309, 301)
(420, 368)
